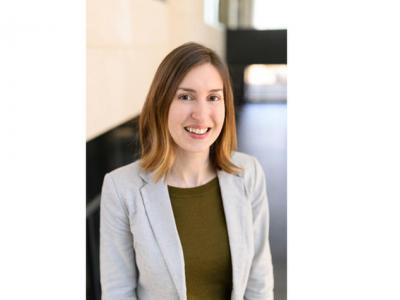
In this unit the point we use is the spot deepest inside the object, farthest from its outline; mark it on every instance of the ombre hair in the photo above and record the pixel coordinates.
(157, 146)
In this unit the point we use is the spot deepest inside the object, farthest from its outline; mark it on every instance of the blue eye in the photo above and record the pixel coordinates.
(185, 97)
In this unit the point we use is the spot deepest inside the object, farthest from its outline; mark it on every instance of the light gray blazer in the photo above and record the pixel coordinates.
(140, 252)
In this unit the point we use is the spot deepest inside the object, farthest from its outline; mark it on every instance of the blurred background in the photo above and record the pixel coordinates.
(126, 41)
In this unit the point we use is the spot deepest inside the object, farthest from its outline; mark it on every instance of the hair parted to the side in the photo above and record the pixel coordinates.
(157, 146)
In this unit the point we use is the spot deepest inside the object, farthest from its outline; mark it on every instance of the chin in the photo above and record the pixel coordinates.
(194, 150)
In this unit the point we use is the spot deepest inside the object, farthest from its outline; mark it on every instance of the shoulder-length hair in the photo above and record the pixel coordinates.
(157, 146)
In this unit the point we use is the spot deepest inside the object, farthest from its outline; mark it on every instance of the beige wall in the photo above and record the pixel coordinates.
(126, 41)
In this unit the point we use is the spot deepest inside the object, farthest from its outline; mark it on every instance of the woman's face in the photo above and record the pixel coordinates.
(197, 112)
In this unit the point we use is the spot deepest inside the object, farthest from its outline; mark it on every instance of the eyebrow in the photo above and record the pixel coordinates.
(194, 91)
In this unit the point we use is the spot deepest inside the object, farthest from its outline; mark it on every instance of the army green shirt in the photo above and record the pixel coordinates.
(200, 220)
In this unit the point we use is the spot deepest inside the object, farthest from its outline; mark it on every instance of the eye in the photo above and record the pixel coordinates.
(185, 97)
(214, 98)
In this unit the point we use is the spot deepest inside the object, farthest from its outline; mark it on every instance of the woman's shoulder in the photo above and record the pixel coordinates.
(252, 171)
(242, 159)
(246, 162)
(127, 176)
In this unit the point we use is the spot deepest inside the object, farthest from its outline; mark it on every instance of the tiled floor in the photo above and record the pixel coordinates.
(262, 133)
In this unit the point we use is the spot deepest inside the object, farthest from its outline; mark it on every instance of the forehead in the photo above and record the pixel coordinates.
(204, 76)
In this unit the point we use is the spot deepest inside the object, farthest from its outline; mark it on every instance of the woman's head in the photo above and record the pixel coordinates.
(190, 93)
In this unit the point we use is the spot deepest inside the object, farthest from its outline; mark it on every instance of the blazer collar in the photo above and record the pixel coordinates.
(161, 217)
(160, 214)
(234, 201)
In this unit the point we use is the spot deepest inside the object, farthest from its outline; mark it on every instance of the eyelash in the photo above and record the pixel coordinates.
(180, 97)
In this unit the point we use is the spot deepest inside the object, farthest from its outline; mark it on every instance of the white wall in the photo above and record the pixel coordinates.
(126, 41)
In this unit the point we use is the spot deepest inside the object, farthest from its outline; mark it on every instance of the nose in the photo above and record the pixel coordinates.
(200, 110)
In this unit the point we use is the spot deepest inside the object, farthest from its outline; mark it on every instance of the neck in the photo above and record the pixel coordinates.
(190, 170)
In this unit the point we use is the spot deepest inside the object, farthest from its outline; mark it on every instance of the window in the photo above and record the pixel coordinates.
(263, 83)
(269, 14)
(211, 12)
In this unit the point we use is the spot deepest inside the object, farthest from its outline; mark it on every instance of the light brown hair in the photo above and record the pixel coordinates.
(157, 146)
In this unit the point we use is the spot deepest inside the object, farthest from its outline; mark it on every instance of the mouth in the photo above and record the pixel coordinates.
(198, 131)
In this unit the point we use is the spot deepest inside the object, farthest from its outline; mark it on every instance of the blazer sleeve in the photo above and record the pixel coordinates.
(260, 284)
(118, 274)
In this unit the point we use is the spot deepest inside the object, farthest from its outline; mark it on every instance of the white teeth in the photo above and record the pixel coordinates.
(196, 131)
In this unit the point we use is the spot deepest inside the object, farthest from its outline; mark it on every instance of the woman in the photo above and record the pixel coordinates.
(189, 220)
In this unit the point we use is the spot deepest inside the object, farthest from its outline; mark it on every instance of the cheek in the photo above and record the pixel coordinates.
(176, 116)
(171, 124)
(172, 115)
(220, 115)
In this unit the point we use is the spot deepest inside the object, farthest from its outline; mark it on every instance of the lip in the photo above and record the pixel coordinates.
(198, 126)
(197, 136)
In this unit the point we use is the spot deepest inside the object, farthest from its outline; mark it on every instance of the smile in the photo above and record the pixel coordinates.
(198, 131)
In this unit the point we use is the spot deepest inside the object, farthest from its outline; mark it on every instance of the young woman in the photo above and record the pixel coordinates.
(189, 220)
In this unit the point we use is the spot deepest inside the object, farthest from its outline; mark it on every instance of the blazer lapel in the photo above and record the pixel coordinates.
(160, 214)
(233, 197)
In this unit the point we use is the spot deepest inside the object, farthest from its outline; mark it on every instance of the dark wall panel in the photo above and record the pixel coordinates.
(247, 47)
(256, 46)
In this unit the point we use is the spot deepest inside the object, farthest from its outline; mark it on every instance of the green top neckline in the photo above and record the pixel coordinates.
(193, 191)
